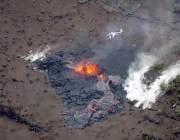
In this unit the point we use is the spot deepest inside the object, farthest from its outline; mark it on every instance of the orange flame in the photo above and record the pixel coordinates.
(91, 68)
(79, 68)
(88, 68)
(101, 75)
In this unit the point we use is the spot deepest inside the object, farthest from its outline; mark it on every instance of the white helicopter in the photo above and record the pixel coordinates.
(112, 34)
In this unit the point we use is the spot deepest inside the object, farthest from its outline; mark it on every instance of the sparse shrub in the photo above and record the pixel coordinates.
(39, 19)
(177, 112)
(158, 67)
(38, 122)
(163, 87)
(176, 130)
(178, 96)
(121, 113)
(177, 79)
(147, 138)
(1, 69)
(42, 11)
(160, 112)
(178, 89)
(171, 86)
(176, 9)
(173, 100)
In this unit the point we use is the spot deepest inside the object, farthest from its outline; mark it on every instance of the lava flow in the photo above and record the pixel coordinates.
(88, 68)
(89, 96)
(101, 75)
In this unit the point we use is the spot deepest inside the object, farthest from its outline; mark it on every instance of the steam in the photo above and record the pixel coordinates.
(38, 54)
(139, 91)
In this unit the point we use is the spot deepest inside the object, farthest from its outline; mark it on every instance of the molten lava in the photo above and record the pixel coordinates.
(79, 68)
(91, 68)
(88, 68)
(101, 75)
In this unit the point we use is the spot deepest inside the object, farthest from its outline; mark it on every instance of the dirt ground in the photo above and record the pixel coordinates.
(66, 24)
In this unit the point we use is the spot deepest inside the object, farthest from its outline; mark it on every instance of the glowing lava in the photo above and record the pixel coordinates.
(88, 68)
(91, 68)
(101, 75)
(79, 68)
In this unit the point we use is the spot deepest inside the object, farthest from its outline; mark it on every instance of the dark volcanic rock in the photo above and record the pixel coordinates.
(87, 98)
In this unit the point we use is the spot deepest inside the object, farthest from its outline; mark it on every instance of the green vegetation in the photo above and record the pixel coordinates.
(176, 9)
(171, 86)
(42, 11)
(121, 113)
(163, 87)
(178, 89)
(178, 96)
(158, 67)
(147, 138)
(1, 69)
(39, 19)
(160, 112)
(150, 138)
(176, 130)
(173, 100)
(177, 79)
(177, 112)
(38, 122)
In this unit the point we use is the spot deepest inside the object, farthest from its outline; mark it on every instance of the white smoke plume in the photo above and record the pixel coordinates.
(139, 91)
(38, 54)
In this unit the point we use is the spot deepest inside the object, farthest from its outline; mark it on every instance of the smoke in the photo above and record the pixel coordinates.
(146, 95)
(38, 54)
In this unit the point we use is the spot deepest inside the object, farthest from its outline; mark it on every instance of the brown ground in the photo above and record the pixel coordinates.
(84, 21)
